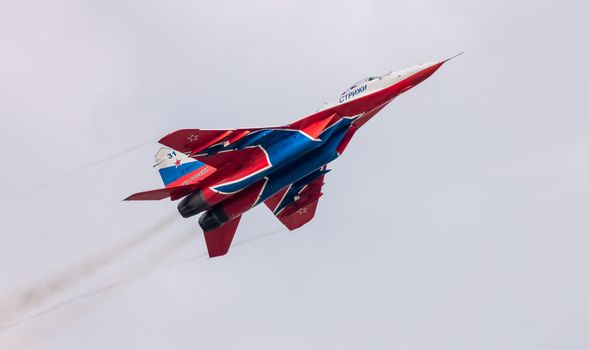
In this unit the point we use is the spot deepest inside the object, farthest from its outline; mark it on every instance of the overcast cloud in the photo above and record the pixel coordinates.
(456, 219)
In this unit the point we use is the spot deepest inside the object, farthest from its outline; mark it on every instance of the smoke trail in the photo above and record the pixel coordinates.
(158, 256)
(43, 291)
(152, 260)
(84, 167)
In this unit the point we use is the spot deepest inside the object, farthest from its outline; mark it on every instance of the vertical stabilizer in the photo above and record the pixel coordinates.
(219, 240)
(177, 169)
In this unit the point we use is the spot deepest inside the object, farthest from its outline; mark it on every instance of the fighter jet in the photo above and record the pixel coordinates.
(225, 173)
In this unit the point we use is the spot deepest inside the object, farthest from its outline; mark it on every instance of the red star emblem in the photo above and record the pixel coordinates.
(177, 162)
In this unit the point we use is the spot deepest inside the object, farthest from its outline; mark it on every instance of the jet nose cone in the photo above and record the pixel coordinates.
(425, 71)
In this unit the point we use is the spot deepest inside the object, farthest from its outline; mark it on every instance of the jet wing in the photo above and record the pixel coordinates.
(194, 141)
(296, 204)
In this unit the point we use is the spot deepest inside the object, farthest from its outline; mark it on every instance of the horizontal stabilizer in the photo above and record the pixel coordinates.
(172, 192)
(219, 240)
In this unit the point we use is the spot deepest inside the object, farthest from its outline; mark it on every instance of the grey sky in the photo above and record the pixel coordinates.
(457, 218)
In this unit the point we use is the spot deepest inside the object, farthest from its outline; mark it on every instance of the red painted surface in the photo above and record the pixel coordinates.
(314, 127)
(219, 240)
(236, 165)
(302, 215)
(273, 201)
(243, 201)
(172, 192)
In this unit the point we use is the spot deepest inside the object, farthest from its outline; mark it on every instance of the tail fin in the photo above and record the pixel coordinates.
(177, 169)
(219, 239)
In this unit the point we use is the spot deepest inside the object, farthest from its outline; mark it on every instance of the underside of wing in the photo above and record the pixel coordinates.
(296, 204)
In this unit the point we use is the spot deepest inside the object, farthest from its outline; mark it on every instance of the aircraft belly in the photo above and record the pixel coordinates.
(303, 166)
(275, 156)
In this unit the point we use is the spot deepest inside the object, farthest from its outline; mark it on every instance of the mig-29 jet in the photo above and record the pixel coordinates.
(225, 173)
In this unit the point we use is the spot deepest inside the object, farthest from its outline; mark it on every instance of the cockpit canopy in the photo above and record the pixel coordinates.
(360, 82)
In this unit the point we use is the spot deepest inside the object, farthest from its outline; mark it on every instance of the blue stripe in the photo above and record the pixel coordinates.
(173, 173)
(304, 166)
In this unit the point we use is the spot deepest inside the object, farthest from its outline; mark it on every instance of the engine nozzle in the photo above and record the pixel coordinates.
(193, 204)
(213, 219)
